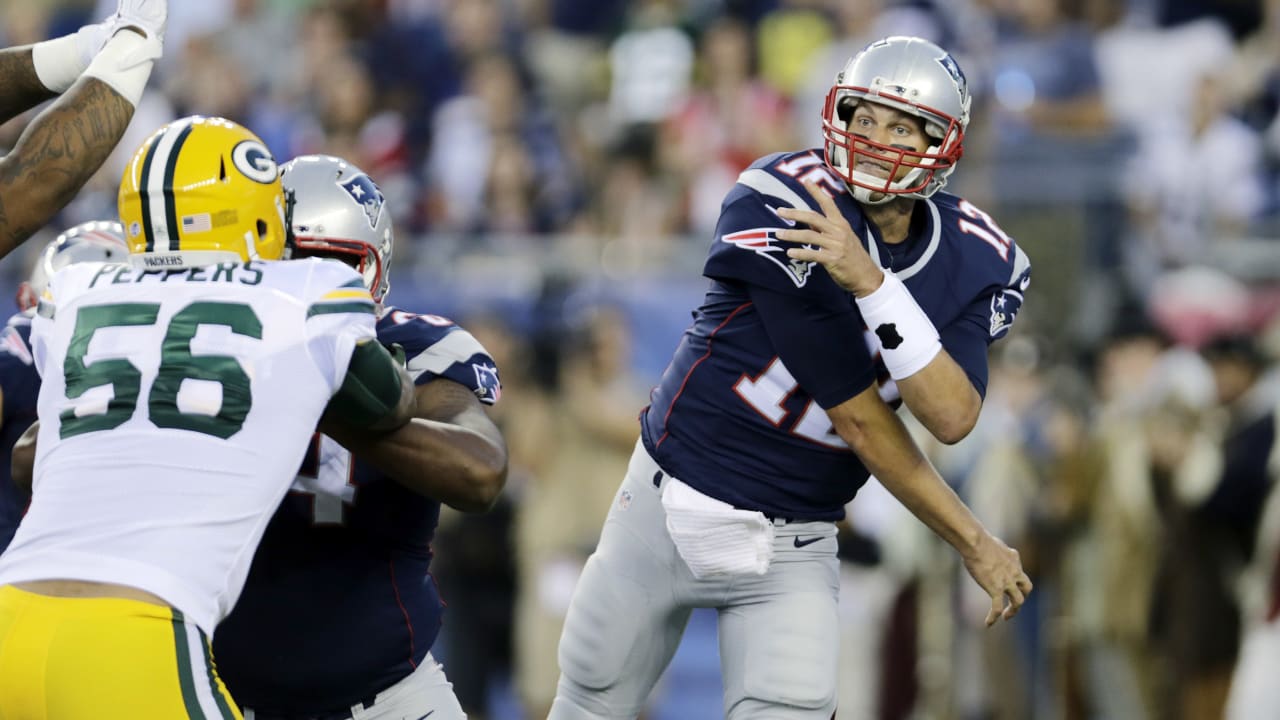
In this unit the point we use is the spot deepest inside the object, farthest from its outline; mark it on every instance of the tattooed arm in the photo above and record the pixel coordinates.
(21, 89)
(56, 155)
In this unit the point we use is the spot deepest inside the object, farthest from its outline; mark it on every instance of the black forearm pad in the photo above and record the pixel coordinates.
(371, 389)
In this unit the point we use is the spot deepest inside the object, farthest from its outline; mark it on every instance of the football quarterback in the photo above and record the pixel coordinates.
(840, 278)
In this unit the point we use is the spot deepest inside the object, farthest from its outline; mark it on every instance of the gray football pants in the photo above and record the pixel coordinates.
(779, 640)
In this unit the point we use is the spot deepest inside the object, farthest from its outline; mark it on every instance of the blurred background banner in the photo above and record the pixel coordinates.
(556, 168)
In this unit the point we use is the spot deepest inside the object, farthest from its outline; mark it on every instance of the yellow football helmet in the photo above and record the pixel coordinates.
(203, 190)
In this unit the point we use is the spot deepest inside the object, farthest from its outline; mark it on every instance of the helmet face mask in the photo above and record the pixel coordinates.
(912, 76)
(94, 241)
(202, 190)
(338, 212)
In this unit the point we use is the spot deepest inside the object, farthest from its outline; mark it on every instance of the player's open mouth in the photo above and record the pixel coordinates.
(872, 167)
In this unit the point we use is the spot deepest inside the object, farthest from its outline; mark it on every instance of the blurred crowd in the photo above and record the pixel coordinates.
(555, 169)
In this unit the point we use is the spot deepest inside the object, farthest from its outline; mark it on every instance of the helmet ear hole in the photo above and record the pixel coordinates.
(262, 228)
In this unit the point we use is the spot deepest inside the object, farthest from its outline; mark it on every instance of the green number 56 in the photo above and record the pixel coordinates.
(176, 364)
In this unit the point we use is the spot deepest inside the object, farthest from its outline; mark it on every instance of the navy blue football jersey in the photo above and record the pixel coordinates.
(740, 411)
(340, 603)
(20, 384)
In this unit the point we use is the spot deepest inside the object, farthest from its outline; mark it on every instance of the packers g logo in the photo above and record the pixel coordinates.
(254, 161)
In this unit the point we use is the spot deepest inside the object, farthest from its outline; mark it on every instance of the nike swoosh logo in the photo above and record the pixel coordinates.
(801, 543)
(433, 712)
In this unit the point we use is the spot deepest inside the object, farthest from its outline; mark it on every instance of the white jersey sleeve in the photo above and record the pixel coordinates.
(340, 315)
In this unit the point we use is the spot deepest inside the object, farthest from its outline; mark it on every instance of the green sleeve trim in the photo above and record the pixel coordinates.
(350, 306)
(371, 389)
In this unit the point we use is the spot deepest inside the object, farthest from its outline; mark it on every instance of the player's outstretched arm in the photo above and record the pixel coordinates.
(21, 89)
(376, 396)
(56, 155)
(932, 384)
(451, 451)
(103, 69)
(881, 441)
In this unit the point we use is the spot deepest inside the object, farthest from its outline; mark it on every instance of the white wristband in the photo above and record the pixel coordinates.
(908, 340)
(58, 62)
(125, 63)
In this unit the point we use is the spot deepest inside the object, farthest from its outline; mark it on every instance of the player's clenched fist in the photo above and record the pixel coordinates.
(61, 61)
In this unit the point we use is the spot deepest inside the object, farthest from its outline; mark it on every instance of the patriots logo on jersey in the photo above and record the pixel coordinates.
(765, 243)
(488, 386)
(366, 193)
(1004, 309)
(1006, 303)
(13, 344)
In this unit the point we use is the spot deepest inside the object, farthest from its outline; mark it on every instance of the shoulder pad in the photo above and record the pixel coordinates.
(333, 287)
(746, 247)
(436, 347)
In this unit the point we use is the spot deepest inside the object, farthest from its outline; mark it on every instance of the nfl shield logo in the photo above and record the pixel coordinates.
(624, 499)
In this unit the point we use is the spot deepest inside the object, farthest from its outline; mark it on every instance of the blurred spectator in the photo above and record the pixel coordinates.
(1110, 566)
(497, 126)
(24, 23)
(1196, 181)
(650, 64)
(1241, 16)
(856, 25)
(1251, 465)
(1255, 87)
(566, 47)
(1045, 80)
(638, 206)
(1211, 483)
(1149, 73)
(787, 39)
(561, 514)
(1026, 433)
(209, 81)
(727, 122)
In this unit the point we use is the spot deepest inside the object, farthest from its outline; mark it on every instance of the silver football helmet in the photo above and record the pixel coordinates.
(337, 211)
(94, 241)
(911, 75)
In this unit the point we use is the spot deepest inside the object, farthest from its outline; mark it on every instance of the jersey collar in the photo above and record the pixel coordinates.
(934, 231)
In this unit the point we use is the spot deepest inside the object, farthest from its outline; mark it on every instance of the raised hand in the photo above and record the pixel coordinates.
(836, 246)
(148, 16)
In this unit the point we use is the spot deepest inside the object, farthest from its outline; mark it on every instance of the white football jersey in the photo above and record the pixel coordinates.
(175, 409)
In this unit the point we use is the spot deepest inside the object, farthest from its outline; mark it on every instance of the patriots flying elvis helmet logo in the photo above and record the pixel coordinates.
(949, 64)
(366, 193)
